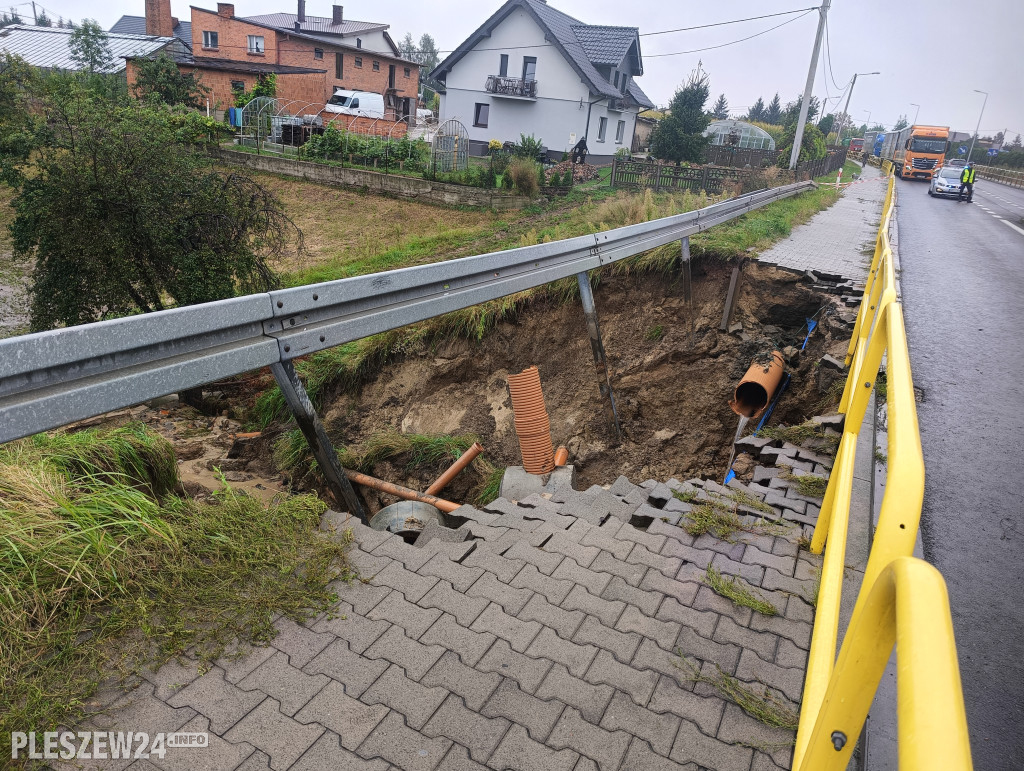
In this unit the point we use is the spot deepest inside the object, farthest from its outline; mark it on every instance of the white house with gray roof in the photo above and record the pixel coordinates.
(531, 69)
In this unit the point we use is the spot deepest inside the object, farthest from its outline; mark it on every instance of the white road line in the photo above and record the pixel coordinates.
(1019, 230)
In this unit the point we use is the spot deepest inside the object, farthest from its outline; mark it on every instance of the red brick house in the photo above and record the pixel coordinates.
(310, 55)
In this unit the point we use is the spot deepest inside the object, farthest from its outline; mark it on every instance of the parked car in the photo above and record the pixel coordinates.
(424, 115)
(958, 163)
(946, 181)
(365, 103)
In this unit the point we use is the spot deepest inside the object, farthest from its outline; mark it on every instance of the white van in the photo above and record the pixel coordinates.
(365, 103)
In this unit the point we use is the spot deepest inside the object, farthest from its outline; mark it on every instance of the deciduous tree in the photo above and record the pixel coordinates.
(160, 80)
(90, 49)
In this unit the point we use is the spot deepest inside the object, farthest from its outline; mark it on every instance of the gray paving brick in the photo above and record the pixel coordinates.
(412, 585)
(751, 573)
(798, 632)
(585, 764)
(808, 568)
(361, 595)
(606, 748)
(786, 548)
(175, 675)
(416, 701)
(651, 541)
(785, 565)
(588, 698)
(340, 663)
(658, 729)
(518, 752)
(705, 711)
(496, 621)
(260, 761)
(458, 759)
(774, 498)
(601, 539)
(662, 632)
(754, 669)
(763, 644)
(569, 570)
(525, 670)
(641, 555)
(652, 658)
(473, 514)
(237, 662)
(397, 549)
(359, 631)
(639, 684)
(460, 577)
(483, 532)
(367, 565)
(672, 532)
(569, 546)
(789, 655)
(798, 609)
(738, 727)
(629, 572)
(479, 734)
(218, 754)
(402, 746)
(224, 703)
(687, 553)
(606, 610)
(564, 622)
(402, 612)
(545, 561)
(773, 579)
(512, 702)
(575, 657)
(472, 685)
(701, 621)
(731, 550)
(640, 757)
(301, 644)
(764, 762)
(706, 599)
(138, 709)
(444, 597)
(349, 718)
(691, 746)
(278, 735)
(364, 536)
(692, 644)
(454, 551)
(468, 644)
(327, 754)
(683, 591)
(688, 572)
(289, 685)
(647, 601)
(552, 588)
(621, 643)
(412, 656)
(509, 598)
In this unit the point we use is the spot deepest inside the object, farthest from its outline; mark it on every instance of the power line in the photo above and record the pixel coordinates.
(722, 23)
(828, 54)
(731, 42)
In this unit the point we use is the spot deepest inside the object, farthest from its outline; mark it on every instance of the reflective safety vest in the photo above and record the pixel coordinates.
(967, 176)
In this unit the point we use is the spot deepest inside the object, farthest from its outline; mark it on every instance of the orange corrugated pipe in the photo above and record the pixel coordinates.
(757, 386)
(464, 460)
(531, 421)
(561, 456)
(401, 492)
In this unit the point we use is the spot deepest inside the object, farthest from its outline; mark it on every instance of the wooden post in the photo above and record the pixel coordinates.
(614, 165)
(309, 423)
(604, 377)
(730, 297)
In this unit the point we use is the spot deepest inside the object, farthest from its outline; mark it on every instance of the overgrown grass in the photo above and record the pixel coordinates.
(732, 588)
(491, 488)
(764, 707)
(804, 433)
(808, 484)
(103, 571)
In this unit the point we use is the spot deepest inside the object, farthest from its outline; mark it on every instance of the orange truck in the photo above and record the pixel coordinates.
(916, 152)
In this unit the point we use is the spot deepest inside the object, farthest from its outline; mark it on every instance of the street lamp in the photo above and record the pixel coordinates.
(868, 124)
(916, 112)
(976, 128)
(846, 109)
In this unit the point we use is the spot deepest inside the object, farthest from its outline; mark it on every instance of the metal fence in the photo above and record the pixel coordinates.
(726, 155)
(1004, 176)
(900, 597)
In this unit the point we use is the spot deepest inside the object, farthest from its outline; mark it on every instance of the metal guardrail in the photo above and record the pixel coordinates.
(50, 379)
(1003, 176)
(901, 598)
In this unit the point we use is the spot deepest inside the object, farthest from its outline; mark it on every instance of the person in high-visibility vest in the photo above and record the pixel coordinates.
(967, 183)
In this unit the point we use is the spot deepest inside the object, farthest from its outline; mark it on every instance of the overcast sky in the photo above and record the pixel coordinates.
(915, 44)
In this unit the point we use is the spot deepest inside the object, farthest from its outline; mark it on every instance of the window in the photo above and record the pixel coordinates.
(339, 66)
(359, 61)
(616, 81)
(256, 45)
(602, 129)
(318, 53)
(408, 72)
(503, 67)
(529, 68)
(238, 85)
(480, 115)
(619, 131)
(359, 42)
(209, 39)
(625, 82)
(376, 66)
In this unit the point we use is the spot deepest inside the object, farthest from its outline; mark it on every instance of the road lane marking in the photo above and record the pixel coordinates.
(1019, 230)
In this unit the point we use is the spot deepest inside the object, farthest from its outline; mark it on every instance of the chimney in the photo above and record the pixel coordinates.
(339, 14)
(158, 18)
(227, 10)
(302, 11)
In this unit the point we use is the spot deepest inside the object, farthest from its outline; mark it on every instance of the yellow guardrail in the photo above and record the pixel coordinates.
(902, 600)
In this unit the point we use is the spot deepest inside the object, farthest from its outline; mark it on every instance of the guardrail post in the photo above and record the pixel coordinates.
(730, 297)
(309, 423)
(604, 375)
(687, 274)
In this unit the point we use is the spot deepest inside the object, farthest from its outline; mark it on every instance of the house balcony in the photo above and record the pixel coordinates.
(616, 105)
(514, 88)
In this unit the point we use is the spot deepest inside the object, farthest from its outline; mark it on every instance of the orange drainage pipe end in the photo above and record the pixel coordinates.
(561, 456)
(757, 386)
(464, 460)
(531, 422)
(402, 492)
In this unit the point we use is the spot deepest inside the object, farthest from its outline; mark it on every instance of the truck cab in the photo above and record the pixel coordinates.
(919, 151)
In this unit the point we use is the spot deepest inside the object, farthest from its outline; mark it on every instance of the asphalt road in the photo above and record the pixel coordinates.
(963, 299)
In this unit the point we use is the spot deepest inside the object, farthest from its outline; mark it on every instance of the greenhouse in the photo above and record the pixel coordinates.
(736, 133)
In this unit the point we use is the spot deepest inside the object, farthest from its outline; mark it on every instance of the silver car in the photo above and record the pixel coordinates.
(946, 181)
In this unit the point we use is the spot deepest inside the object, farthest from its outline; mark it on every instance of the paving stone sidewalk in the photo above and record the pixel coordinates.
(538, 635)
(834, 241)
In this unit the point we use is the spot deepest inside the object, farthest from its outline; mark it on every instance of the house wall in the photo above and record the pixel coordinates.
(232, 35)
(373, 41)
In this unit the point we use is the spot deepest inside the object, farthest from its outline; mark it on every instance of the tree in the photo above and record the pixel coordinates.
(265, 85)
(812, 146)
(791, 114)
(89, 48)
(407, 47)
(680, 135)
(902, 123)
(825, 124)
(721, 109)
(756, 112)
(999, 139)
(124, 213)
(429, 56)
(773, 113)
(13, 18)
(42, 20)
(16, 81)
(1016, 143)
(160, 79)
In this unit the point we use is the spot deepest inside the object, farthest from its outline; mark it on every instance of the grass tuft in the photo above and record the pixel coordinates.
(764, 707)
(804, 433)
(731, 588)
(723, 522)
(808, 484)
(491, 488)
(655, 333)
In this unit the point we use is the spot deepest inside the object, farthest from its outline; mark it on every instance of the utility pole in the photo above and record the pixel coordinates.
(806, 101)
(35, 16)
(978, 127)
(916, 113)
(846, 109)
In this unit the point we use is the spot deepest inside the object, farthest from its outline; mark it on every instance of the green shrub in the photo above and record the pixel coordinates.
(528, 147)
(555, 181)
(524, 174)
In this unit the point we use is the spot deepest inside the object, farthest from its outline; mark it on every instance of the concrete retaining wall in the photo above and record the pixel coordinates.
(413, 188)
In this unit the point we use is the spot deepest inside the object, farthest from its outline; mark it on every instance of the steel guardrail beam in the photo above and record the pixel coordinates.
(50, 379)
